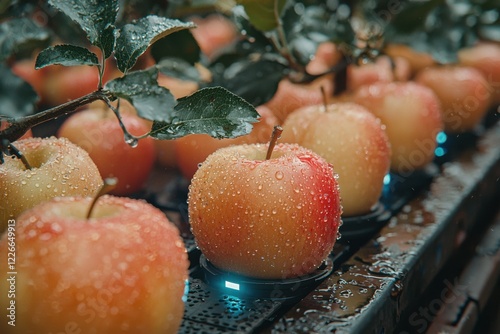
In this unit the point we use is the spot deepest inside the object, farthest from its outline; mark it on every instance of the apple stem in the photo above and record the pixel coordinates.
(108, 185)
(274, 138)
(325, 98)
(12, 150)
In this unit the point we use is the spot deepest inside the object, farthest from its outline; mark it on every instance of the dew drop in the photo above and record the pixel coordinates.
(131, 141)
(279, 175)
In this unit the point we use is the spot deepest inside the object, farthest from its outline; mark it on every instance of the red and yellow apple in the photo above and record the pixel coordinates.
(98, 132)
(192, 150)
(25, 69)
(485, 57)
(354, 141)
(122, 270)
(213, 32)
(272, 219)
(380, 70)
(59, 168)
(291, 96)
(411, 114)
(464, 93)
(416, 59)
(68, 83)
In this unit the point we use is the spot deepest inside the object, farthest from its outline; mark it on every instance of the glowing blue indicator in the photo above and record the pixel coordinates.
(441, 138)
(231, 285)
(387, 179)
(439, 152)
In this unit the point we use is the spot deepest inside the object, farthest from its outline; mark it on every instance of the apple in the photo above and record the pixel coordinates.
(485, 57)
(380, 70)
(165, 153)
(68, 83)
(291, 96)
(122, 270)
(266, 218)
(190, 151)
(25, 69)
(464, 93)
(213, 32)
(416, 59)
(411, 114)
(98, 132)
(353, 140)
(59, 168)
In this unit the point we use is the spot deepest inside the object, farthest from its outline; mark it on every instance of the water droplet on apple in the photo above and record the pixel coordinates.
(131, 141)
(45, 236)
(279, 175)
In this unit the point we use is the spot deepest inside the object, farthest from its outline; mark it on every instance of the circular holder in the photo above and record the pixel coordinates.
(277, 289)
(364, 226)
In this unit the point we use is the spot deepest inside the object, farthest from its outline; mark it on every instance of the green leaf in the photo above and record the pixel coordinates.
(134, 38)
(446, 28)
(96, 18)
(178, 68)
(312, 25)
(254, 81)
(66, 55)
(214, 111)
(18, 35)
(179, 45)
(140, 88)
(261, 13)
(17, 97)
(490, 32)
(413, 15)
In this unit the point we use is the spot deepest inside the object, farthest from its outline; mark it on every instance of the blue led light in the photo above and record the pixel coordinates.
(441, 138)
(387, 179)
(439, 151)
(231, 285)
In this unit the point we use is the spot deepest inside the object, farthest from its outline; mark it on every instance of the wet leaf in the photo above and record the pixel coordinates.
(254, 81)
(179, 45)
(261, 13)
(178, 68)
(308, 26)
(134, 38)
(490, 32)
(413, 15)
(214, 111)
(18, 35)
(442, 28)
(140, 88)
(17, 97)
(96, 18)
(66, 55)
